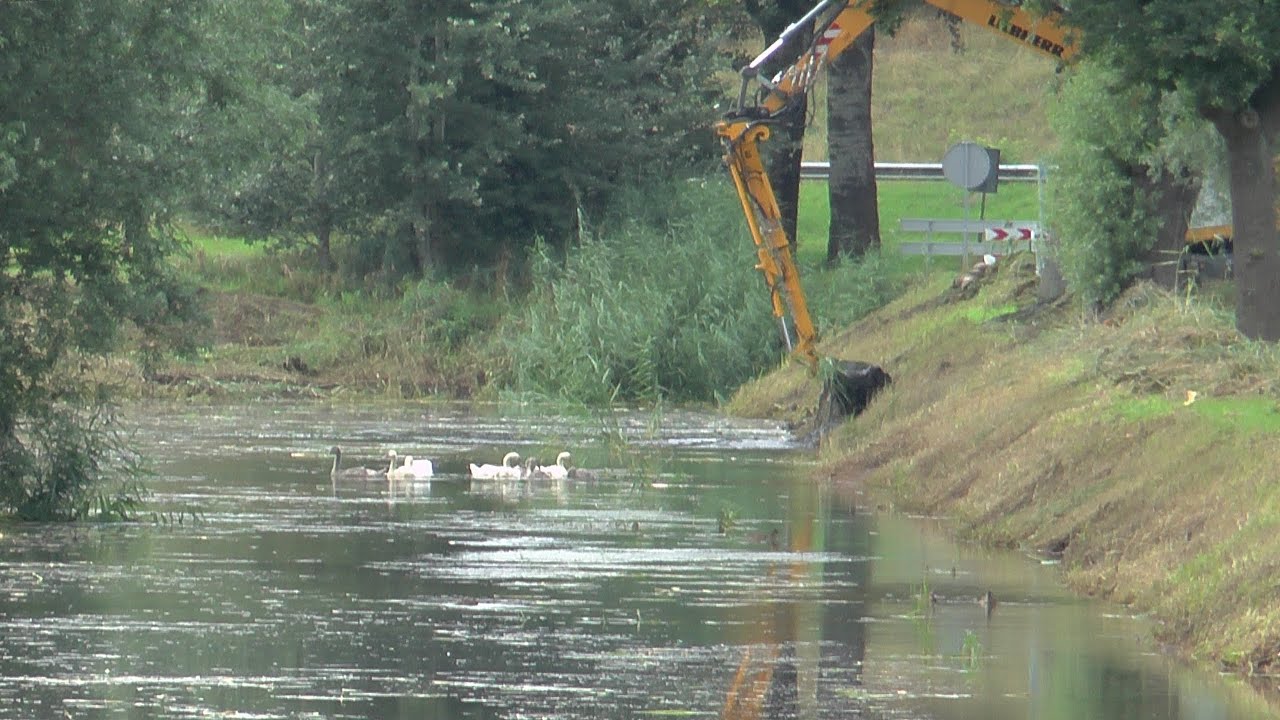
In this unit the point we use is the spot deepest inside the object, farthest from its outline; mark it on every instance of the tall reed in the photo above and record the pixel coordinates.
(662, 301)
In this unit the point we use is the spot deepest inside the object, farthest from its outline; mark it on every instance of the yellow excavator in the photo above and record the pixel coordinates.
(764, 102)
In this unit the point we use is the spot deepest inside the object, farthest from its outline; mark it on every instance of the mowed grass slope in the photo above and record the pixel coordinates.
(1140, 449)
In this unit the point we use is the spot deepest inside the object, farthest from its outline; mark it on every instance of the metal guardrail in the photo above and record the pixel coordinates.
(919, 171)
(955, 249)
(996, 237)
(976, 227)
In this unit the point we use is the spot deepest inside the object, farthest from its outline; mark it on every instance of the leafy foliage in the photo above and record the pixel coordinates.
(90, 156)
(264, 161)
(1115, 135)
(1224, 57)
(1218, 52)
(449, 134)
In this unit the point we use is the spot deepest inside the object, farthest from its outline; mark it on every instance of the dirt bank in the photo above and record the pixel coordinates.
(1142, 449)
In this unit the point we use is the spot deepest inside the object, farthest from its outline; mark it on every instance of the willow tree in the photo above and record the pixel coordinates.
(91, 137)
(1224, 55)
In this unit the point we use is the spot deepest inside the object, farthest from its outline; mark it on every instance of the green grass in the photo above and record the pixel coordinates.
(213, 245)
(236, 265)
(1245, 414)
(926, 96)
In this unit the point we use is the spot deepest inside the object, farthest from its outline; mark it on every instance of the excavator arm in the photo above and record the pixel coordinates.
(764, 102)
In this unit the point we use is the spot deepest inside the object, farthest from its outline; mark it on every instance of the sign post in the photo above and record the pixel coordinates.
(974, 168)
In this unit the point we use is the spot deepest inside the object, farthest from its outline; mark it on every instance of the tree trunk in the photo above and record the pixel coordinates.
(855, 216)
(1249, 135)
(421, 248)
(784, 168)
(1174, 197)
(324, 252)
(785, 146)
(322, 212)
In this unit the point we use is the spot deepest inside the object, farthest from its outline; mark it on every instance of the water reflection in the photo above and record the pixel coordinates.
(298, 595)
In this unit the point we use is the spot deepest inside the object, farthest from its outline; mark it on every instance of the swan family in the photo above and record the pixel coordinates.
(411, 467)
(511, 469)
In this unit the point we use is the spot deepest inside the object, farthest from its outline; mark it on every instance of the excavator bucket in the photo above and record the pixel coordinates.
(847, 389)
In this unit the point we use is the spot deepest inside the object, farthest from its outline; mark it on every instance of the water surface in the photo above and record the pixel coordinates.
(702, 574)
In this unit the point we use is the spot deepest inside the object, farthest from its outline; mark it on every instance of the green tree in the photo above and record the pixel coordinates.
(1224, 56)
(263, 154)
(90, 132)
(464, 130)
(1128, 173)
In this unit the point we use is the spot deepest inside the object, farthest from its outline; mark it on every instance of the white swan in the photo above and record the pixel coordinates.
(411, 467)
(356, 472)
(560, 470)
(509, 469)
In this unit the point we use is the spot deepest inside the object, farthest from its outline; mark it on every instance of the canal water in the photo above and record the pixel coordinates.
(701, 573)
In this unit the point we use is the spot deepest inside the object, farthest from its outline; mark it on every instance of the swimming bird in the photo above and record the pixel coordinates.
(509, 469)
(534, 471)
(560, 470)
(772, 538)
(577, 473)
(411, 467)
(354, 472)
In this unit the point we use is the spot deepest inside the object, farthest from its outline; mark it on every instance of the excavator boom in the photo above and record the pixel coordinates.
(764, 102)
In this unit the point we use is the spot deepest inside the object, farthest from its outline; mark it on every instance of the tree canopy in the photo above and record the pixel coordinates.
(445, 135)
(1224, 55)
(92, 131)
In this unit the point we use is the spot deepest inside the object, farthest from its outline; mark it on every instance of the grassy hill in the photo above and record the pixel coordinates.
(928, 94)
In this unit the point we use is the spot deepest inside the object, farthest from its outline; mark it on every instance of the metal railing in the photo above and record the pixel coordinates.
(919, 171)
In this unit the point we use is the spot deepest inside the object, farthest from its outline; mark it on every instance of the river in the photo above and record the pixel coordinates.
(702, 573)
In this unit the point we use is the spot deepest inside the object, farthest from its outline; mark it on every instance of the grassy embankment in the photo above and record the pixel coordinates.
(1140, 448)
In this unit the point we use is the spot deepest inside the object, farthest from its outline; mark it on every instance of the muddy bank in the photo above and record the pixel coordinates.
(1140, 449)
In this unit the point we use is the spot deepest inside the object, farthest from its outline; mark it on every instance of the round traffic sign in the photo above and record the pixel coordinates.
(967, 164)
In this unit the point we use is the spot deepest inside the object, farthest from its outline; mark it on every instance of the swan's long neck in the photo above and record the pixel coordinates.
(337, 456)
